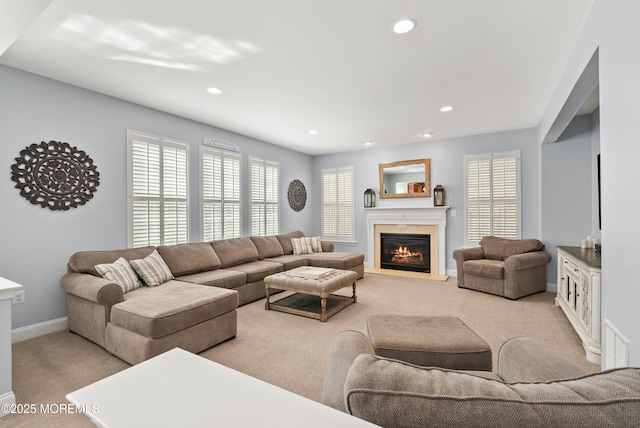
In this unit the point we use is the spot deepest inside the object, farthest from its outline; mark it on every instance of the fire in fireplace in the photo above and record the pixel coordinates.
(404, 251)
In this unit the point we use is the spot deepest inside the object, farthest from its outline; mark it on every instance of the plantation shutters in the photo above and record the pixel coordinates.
(221, 218)
(337, 204)
(263, 176)
(492, 202)
(158, 190)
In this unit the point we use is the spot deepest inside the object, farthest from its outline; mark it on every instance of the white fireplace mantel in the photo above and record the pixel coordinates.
(431, 216)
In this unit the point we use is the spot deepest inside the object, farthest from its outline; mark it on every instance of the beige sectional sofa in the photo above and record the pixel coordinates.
(196, 308)
(534, 387)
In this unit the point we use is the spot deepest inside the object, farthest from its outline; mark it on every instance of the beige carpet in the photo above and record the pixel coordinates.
(288, 350)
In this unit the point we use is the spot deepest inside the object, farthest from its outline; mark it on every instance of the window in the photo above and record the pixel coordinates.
(337, 204)
(158, 190)
(264, 197)
(220, 175)
(492, 189)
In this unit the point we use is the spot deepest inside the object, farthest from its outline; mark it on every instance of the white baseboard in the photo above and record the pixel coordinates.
(35, 330)
(9, 399)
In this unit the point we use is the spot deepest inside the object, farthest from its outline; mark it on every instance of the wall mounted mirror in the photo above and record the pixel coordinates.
(405, 179)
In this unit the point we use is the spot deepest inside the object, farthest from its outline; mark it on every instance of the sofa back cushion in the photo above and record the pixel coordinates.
(500, 248)
(186, 259)
(285, 240)
(392, 393)
(268, 246)
(84, 261)
(235, 251)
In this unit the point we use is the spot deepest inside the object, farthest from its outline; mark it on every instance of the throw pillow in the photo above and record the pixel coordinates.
(119, 272)
(301, 246)
(316, 243)
(152, 269)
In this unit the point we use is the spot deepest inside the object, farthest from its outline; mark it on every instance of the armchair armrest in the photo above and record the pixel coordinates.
(92, 288)
(526, 260)
(344, 349)
(524, 359)
(463, 254)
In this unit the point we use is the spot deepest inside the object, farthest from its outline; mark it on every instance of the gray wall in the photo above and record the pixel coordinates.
(569, 187)
(446, 169)
(37, 242)
(611, 30)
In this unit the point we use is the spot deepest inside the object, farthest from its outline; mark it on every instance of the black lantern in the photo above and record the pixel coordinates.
(438, 196)
(369, 198)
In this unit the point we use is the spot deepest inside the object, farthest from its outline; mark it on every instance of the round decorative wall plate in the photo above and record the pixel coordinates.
(297, 195)
(55, 175)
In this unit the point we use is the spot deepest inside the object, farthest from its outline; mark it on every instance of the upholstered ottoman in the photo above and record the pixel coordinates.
(437, 341)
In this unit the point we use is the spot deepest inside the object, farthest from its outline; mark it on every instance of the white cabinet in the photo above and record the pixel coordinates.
(579, 295)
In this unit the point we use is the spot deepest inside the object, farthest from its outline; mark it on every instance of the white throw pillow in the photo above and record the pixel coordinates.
(121, 273)
(306, 245)
(301, 246)
(152, 269)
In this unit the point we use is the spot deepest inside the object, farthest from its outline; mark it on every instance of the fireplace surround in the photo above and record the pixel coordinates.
(422, 220)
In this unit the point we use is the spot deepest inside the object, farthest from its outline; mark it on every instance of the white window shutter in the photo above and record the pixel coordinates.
(158, 190)
(492, 196)
(337, 204)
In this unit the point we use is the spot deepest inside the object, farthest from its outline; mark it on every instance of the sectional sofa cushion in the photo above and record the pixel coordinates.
(185, 259)
(375, 385)
(152, 269)
(235, 251)
(485, 267)
(171, 307)
(85, 261)
(285, 240)
(336, 260)
(268, 246)
(501, 248)
(121, 273)
(224, 278)
(257, 271)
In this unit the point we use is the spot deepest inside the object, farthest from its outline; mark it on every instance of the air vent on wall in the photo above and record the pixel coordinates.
(616, 348)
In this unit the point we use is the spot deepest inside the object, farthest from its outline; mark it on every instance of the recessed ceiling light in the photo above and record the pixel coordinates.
(368, 143)
(214, 91)
(446, 108)
(313, 132)
(427, 134)
(404, 26)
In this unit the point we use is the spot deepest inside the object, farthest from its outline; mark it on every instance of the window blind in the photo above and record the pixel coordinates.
(337, 204)
(492, 192)
(263, 178)
(220, 195)
(158, 196)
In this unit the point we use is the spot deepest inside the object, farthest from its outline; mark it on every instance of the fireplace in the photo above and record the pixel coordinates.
(405, 251)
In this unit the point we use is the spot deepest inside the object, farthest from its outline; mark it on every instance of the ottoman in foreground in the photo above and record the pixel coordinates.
(436, 341)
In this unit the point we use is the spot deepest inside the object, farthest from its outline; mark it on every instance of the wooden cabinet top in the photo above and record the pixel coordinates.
(588, 256)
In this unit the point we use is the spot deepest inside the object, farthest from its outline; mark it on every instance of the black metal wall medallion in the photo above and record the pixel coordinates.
(55, 175)
(297, 195)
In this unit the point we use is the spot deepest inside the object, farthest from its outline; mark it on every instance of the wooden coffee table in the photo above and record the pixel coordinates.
(313, 288)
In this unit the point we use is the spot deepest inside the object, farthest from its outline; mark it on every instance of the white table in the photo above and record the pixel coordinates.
(179, 388)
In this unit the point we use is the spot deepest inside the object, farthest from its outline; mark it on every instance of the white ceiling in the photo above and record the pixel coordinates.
(290, 66)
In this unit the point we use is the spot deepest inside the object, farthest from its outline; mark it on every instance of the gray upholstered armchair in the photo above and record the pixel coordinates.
(512, 268)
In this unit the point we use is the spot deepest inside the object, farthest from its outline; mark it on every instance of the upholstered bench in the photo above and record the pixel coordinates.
(152, 320)
(437, 341)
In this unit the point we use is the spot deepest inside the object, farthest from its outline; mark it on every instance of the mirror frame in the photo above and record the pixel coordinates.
(427, 179)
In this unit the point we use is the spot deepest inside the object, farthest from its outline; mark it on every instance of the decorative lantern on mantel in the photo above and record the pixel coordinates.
(369, 198)
(438, 196)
